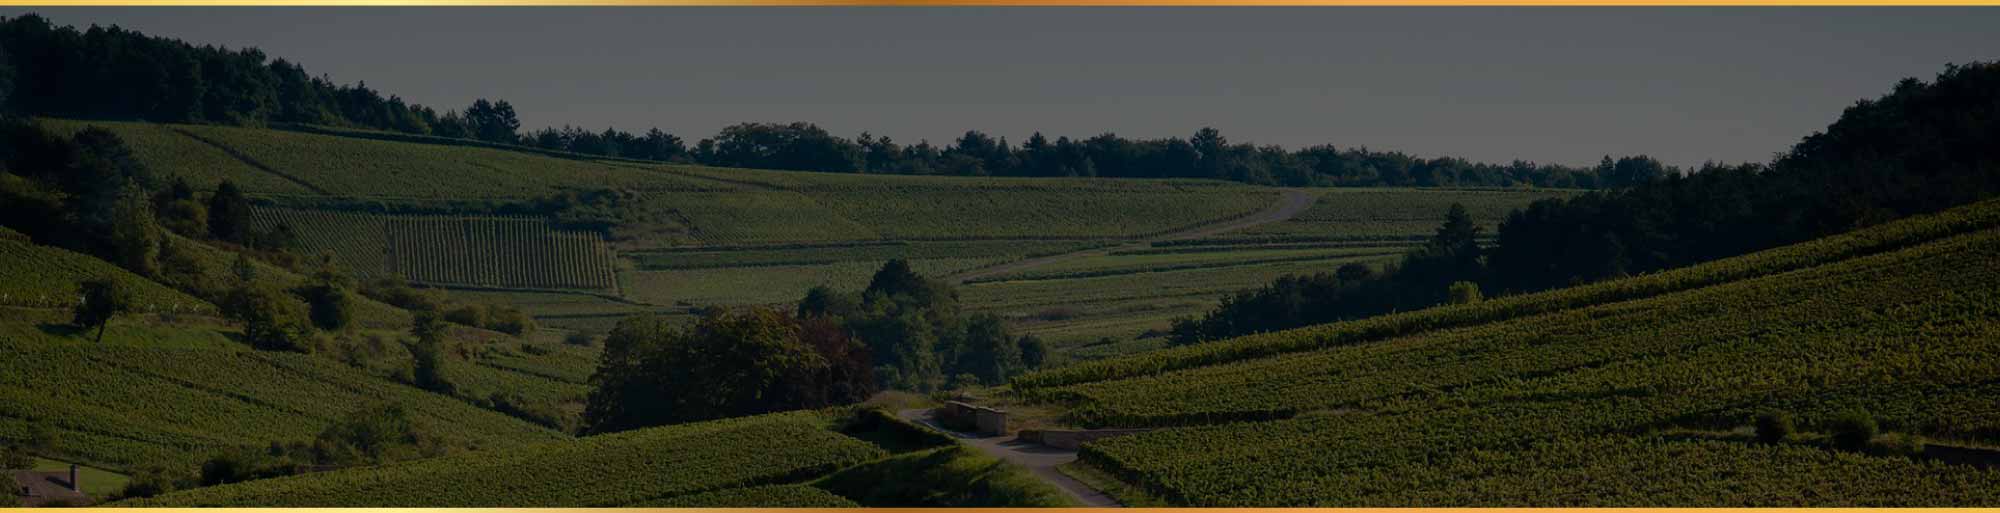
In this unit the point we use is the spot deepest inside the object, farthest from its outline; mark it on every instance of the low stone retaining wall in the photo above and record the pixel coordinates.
(1071, 439)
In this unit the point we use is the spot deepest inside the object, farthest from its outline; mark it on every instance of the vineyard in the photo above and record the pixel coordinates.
(641, 466)
(1887, 237)
(46, 277)
(701, 236)
(127, 405)
(1565, 406)
(475, 251)
(768, 496)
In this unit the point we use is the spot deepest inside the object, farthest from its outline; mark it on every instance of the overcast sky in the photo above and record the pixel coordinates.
(1561, 85)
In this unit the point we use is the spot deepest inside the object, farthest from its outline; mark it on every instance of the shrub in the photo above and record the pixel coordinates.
(1853, 430)
(1464, 292)
(1774, 427)
(510, 320)
(468, 315)
(332, 307)
(148, 484)
(272, 321)
(427, 368)
(584, 338)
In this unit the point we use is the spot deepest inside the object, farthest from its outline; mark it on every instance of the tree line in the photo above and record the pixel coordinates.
(904, 331)
(113, 73)
(1922, 148)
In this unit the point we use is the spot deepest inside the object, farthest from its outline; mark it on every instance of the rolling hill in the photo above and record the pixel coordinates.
(668, 238)
(1631, 392)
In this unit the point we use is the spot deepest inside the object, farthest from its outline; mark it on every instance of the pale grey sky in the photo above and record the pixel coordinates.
(1545, 84)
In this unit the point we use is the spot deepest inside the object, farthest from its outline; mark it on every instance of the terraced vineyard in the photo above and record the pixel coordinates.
(478, 251)
(642, 466)
(1561, 400)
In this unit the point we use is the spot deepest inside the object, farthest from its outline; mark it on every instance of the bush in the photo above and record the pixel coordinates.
(584, 338)
(510, 321)
(1464, 292)
(1774, 427)
(373, 435)
(428, 353)
(332, 307)
(148, 484)
(468, 315)
(272, 321)
(1853, 430)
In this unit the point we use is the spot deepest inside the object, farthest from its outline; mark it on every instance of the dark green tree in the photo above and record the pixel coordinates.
(229, 214)
(727, 364)
(427, 352)
(272, 320)
(102, 299)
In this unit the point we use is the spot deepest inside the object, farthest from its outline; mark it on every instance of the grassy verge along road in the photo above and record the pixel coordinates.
(1040, 460)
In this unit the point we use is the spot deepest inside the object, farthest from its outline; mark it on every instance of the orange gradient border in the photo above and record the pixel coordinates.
(363, 3)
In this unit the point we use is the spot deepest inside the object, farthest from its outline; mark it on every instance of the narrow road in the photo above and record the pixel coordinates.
(1040, 460)
(1290, 203)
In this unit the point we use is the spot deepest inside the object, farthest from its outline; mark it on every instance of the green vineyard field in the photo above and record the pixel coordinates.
(443, 250)
(1567, 406)
(617, 469)
(128, 405)
(1877, 239)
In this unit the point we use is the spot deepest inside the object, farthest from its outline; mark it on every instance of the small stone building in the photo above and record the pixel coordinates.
(38, 487)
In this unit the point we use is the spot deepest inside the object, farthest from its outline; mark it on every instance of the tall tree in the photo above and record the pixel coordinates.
(102, 299)
(229, 214)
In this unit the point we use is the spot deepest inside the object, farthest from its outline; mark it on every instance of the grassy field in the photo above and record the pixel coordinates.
(1586, 396)
(1386, 214)
(96, 481)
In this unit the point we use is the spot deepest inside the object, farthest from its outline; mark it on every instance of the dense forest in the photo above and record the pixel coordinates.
(113, 73)
(1924, 147)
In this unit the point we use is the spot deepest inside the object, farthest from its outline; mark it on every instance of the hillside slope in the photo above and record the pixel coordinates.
(606, 470)
(171, 383)
(1625, 400)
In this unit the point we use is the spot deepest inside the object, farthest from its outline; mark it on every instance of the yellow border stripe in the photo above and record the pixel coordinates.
(361, 3)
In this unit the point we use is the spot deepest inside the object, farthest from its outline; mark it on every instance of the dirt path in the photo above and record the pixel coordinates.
(1290, 203)
(240, 156)
(1039, 459)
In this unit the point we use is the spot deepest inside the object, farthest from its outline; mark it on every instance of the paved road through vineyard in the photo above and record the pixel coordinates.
(1040, 460)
